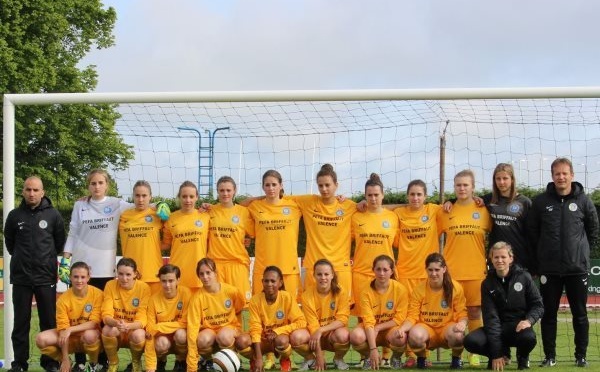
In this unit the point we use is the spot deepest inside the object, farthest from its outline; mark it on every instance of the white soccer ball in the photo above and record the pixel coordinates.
(226, 360)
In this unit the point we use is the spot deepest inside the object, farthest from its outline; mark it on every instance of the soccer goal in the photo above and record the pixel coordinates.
(400, 134)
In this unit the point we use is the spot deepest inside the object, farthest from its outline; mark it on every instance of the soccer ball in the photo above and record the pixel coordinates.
(226, 360)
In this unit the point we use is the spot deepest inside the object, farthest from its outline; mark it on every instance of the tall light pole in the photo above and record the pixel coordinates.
(585, 176)
(542, 172)
(199, 149)
(521, 161)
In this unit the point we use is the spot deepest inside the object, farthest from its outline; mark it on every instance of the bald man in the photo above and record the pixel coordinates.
(34, 234)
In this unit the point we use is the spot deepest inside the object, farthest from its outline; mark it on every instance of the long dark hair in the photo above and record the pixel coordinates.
(209, 262)
(335, 286)
(447, 285)
(508, 168)
(389, 260)
(277, 270)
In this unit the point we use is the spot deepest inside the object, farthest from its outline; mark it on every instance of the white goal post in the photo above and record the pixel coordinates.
(12, 100)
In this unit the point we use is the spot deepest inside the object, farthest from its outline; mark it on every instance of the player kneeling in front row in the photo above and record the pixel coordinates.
(77, 322)
(167, 322)
(276, 324)
(383, 310)
(213, 316)
(326, 307)
(437, 314)
(124, 315)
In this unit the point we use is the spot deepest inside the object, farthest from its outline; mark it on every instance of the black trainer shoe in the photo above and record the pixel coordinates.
(522, 363)
(548, 362)
(456, 363)
(581, 362)
(180, 366)
(16, 367)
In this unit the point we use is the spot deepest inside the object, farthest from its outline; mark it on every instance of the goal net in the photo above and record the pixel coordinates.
(397, 134)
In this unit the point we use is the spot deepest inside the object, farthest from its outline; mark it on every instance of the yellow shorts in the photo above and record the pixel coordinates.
(360, 284)
(411, 284)
(235, 274)
(472, 289)
(437, 336)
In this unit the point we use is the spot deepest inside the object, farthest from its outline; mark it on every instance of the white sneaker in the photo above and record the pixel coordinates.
(341, 365)
(307, 365)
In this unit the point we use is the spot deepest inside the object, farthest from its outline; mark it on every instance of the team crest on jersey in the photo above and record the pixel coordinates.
(385, 224)
(514, 208)
(235, 219)
(179, 305)
(198, 223)
(107, 210)
(518, 287)
(572, 207)
(389, 305)
(149, 219)
(227, 303)
(135, 302)
(424, 218)
(43, 224)
(339, 213)
(444, 304)
(332, 305)
(285, 211)
(279, 314)
(87, 308)
(476, 215)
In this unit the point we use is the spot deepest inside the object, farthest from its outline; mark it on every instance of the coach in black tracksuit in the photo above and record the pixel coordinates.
(34, 234)
(510, 304)
(563, 225)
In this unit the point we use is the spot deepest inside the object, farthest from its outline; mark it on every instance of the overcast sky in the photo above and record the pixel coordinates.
(254, 45)
(191, 45)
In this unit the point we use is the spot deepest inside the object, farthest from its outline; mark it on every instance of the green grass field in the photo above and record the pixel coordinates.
(440, 359)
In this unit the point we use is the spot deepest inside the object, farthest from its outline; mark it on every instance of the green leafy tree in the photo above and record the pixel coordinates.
(41, 45)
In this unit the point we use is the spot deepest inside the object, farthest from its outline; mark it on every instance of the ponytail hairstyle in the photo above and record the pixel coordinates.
(327, 170)
(508, 168)
(144, 184)
(94, 172)
(273, 173)
(417, 183)
(374, 180)
(130, 262)
(225, 179)
(187, 184)
(169, 269)
(335, 286)
(277, 270)
(206, 262)
(447, 285)
(389, 260)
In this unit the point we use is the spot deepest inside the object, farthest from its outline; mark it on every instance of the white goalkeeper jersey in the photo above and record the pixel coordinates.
(93, 234)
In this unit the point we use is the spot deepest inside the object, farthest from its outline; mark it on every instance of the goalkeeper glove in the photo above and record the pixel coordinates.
(64, 270)
(163, 211)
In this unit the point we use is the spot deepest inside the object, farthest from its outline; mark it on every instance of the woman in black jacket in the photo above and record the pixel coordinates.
(511, 304)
